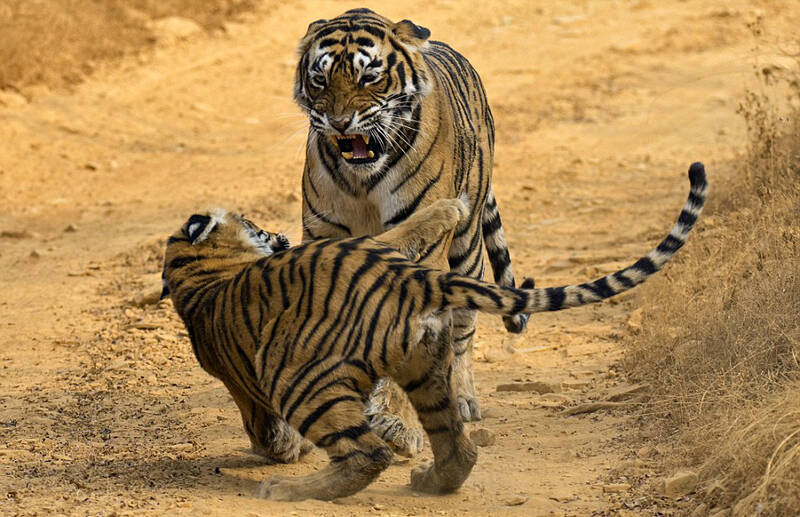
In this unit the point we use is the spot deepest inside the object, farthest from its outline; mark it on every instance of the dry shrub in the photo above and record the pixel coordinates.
(57, 43)
(721, 333)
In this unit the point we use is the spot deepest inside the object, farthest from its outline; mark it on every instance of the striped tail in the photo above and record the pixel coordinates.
(468, 293)
(497, 248)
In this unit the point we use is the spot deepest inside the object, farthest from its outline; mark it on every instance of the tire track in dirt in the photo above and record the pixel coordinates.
(599, 106)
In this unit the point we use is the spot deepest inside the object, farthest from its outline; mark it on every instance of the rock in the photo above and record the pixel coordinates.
(18, 234)
(634, 324)
(482, 437)
(516, 500)
(147, 296)
(616, 488)
(11, 99)
(35, 254)
(173, 28)
(536, 386)
(682, 483)
(71, 228)
(91, 166)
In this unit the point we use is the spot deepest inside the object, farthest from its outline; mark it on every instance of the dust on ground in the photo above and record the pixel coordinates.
(600, 107)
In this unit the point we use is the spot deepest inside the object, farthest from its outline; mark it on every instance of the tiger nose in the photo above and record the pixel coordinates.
(341, 123)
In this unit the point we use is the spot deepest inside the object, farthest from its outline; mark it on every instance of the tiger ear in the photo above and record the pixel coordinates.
(198, 227)
(313, 26)
(410, 33)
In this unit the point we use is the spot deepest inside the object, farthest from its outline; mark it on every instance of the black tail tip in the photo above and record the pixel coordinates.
(528, 283)
(697, 173)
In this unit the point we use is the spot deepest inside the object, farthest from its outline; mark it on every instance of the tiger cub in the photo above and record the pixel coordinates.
(305, 333)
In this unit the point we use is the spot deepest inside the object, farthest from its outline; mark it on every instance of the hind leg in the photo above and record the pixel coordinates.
(464, 323)
(428, 384)
(270, 436)
(337, 424)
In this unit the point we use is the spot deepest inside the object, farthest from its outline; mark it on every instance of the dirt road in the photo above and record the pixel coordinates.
(600, 107)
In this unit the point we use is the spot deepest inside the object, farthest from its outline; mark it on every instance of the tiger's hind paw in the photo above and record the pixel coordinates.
(516, 324)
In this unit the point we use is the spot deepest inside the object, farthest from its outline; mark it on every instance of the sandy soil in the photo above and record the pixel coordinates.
(600, 106)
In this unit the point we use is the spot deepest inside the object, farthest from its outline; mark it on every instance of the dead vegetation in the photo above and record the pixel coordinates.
(721, 340)
(56, 43)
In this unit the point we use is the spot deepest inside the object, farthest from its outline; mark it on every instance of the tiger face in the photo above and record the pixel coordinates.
(230, 238)
(359, 79)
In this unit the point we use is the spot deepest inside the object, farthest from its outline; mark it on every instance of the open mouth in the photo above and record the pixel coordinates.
(357, 148)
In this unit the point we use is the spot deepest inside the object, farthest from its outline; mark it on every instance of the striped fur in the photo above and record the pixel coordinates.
(425, 113)
(304, 334)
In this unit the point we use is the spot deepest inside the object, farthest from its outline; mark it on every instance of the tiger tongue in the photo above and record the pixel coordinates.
(359, 147)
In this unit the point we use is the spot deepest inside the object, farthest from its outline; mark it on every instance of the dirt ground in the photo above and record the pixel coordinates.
(600, 106)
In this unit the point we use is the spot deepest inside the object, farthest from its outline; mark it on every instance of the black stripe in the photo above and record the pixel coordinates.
(645, 265)
(670, 245)
(321, 410)
(555, 297)
(351, 433)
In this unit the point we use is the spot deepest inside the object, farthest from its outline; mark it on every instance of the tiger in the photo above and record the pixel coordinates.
(304, 333)
(397, 121)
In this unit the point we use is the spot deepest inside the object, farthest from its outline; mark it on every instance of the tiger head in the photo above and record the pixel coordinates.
(215, 241)
(360, 78)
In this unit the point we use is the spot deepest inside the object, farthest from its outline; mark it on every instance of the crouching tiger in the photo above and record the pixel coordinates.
(304, 333)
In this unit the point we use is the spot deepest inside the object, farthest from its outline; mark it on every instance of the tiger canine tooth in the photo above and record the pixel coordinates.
(372, 154)
(366, 140)
(347, 155)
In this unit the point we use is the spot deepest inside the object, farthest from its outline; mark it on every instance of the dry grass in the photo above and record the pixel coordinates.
(57, 43)
(721, 339)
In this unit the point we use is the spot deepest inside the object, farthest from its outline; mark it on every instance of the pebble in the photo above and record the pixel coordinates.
(616, 488)
(18, 234)
(516, 500)
(149, 296)
(71, 228)
(682, 483)
(482, 437)
(536, 386)
(35, 254)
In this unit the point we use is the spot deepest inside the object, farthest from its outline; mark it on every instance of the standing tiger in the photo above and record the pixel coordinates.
(303, 334)
(397, 122)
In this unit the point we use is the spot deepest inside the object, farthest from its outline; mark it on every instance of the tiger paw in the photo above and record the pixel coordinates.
(516, 324)
(402, 438)
(281, 488)
(468, 408)
(288, 449)
(429, 480)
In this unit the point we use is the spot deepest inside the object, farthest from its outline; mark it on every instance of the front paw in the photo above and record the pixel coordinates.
(403, 439)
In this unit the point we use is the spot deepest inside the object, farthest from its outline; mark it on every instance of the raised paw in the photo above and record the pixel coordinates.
(403, 439)
(517, 323)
